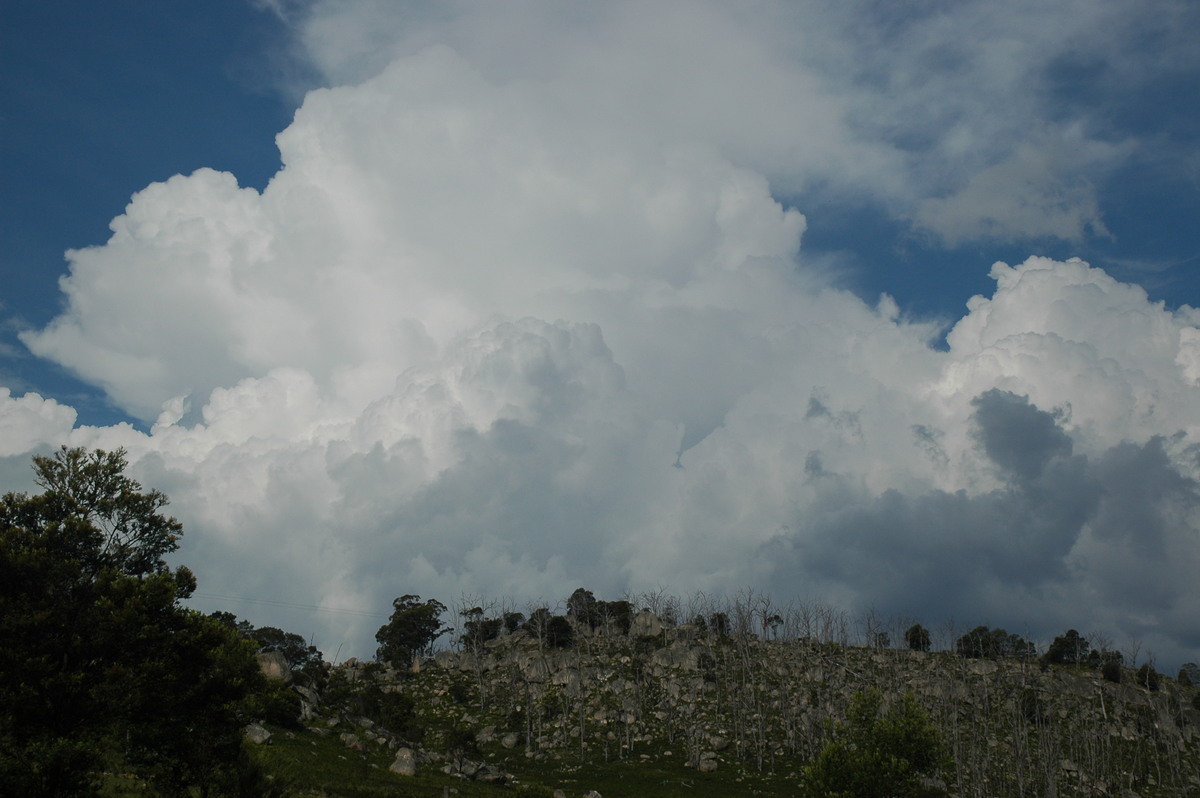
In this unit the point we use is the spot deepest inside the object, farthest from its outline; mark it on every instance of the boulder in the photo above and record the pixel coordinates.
(256, 734)
(275, 667)
(310, 701)
(510, 740)
(406, 762)
(488, 774)
(645, 624)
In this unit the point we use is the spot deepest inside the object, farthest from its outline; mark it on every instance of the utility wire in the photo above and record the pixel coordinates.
(291, 605)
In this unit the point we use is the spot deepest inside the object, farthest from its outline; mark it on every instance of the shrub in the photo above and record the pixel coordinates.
(917, 637)
(982, 642)
(884, 753)
(1148, 677)
(1111, 670)
(1067, 649)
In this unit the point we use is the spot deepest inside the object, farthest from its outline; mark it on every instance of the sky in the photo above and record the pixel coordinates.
(889, 308)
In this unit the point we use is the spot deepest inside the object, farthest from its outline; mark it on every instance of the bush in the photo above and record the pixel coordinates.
(559, 633)
(982, 642)
(884, 753)
(1067, 649)
(917, 637)
(1148, 677)
(1111, 670)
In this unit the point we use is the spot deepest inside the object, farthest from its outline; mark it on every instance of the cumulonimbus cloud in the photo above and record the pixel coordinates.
(499, 329)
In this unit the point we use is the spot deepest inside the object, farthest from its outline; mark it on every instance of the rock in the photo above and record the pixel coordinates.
(275, 667)
(486, 735)
(707, 765)
(256, 734)
(352, 741)
(591, 794)
(510, 740)
(310, 701)
(559, 794)
(645, 624)
(718, 743)
(406, 762)
(982, 667)
(490, 775)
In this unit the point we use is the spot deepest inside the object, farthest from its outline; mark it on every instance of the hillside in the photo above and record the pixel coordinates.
(673, 710)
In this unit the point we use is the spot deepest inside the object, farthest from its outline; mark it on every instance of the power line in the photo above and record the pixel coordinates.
(291, 605)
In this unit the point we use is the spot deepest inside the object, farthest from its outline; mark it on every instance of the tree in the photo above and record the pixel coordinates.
(1189, 674)
(411, 630)
(1067, 649)
(301, 657)
(982, 642)
(917, 638)
(582, 607)
(478, 629)
(876, 752)
(91, 624)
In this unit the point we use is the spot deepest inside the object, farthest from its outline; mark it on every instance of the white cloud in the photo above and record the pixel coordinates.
(521, 313)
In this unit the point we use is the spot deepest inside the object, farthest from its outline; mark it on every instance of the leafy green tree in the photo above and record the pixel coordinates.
(917, 638)
(982, 642)
(411, 630)
(582, 607)
(559, 633)
(1068, 649)
(93, 634)
(478, 629)
(1148, 677)
(878, 753)
(1189, 674)
(299, 655)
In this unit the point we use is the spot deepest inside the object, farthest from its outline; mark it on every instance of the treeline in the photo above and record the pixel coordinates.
(416, 626)
(105, 674)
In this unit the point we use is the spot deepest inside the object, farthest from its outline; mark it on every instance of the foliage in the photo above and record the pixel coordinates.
(99, 659)
(877, 753)
(550, 630)
(559, 633)
(478, 629)
(413, 627)
(1111, 671)
(1148, 677)
(301, 657)
(585, 609)
(917, 637)
(982, 642)
(1068, 649)
(1189, 674)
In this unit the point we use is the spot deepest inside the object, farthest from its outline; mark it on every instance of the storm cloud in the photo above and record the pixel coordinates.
(527, 308)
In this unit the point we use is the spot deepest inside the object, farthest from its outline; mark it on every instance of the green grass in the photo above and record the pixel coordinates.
(314, 764)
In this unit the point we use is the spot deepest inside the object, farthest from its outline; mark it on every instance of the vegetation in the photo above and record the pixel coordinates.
(411, 631)
(889, 752)
(108, 686)
(101, 666)
(984, 643)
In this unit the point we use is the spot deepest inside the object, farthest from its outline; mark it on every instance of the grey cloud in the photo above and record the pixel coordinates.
(1017, 436)
(1099, 543)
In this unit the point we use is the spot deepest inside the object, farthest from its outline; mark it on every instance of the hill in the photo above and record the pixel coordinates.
(661, 709)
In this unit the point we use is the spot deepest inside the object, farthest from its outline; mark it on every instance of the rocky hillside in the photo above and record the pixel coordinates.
(754, 712)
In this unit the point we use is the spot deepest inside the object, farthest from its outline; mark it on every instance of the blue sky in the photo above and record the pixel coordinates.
(104, 99)
(533, 299)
